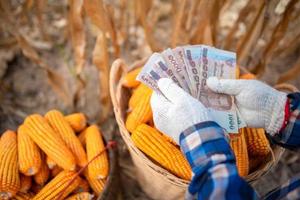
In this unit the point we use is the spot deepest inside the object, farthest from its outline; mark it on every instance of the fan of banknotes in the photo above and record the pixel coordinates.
(189, 67)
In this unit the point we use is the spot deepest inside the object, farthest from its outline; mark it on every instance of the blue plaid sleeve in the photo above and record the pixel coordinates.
(215, 174)
(289, 137)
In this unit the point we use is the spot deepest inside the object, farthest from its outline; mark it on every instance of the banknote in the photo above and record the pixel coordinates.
(189, 67)
(155, 69)
(180, 56)
(193, 71)
(177, 69)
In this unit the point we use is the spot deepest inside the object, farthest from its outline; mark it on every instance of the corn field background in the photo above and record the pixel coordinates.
(57, 54)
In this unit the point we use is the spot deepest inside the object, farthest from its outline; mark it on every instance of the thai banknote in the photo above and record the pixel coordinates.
(190, 67)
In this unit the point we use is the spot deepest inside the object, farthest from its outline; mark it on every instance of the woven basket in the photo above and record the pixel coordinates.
(157, 182)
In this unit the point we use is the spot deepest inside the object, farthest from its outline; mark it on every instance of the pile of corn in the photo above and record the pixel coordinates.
(250, 146)
(42, 159)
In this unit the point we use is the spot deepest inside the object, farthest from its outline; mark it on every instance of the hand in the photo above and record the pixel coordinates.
(260, 105)
(176, 111)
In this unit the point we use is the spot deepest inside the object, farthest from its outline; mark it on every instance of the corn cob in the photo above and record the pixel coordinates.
(142, 113)
(248, 76)
(23, 196)
(239, 147)
(156, 146)
(43, 175)
(141, 92)
(257, 142)
(83, 186)
(51, 164)
(28, 153)
(61, 126)
(81, 137)
(81, 196)
(26, 182)
(97, 185)
(99, 167)
(49, 141)
(129, 80)
(56, 170)
(77, 121)
(9, 174)
(59, 186)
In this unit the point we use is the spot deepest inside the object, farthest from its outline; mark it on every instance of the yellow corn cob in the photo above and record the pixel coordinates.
(77, 121)
(26, 182)
(59, 186)
(9, 174)
(156, 146)
(97, 185)
(257, 142)
(49, 141)
(56, 170)
(81, 137)
(23, 196)
(129, 79)
(248, 76)
(43, 174)
(99, 167)
(81, 196)
(142, 113)
(51, 164)
(28, 153)
(62, 127)
(239, 147)
(83, 186)
(141, 92)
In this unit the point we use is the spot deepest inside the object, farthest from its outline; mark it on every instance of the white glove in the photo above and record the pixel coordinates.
(176, 111)
(260, 105)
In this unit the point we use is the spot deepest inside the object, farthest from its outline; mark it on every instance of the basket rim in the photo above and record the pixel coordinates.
(118, 69)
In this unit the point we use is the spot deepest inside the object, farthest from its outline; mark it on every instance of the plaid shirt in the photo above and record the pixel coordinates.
(215, 175)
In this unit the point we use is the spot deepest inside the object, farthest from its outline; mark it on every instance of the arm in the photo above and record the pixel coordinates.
(202, 141)
(289, 134)
(215, 174)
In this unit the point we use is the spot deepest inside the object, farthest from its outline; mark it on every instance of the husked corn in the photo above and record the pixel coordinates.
(156, 146)
(239, 147)
(9, 173)
(28, 153)
(99, 167)
(50, 141)
(62, 127)
(77, 121)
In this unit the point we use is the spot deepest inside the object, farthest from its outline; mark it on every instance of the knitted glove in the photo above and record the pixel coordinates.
(176, 110)
(260, 105)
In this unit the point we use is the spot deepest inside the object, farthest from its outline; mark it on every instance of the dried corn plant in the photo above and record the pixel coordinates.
(261, 32)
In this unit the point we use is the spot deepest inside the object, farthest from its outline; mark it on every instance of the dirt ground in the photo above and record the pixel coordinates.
(24, 89)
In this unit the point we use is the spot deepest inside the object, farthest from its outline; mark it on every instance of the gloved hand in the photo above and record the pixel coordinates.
(260, 105)
(176, 111)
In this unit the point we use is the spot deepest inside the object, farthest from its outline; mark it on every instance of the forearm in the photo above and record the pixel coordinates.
(215, 174)
(289, 136)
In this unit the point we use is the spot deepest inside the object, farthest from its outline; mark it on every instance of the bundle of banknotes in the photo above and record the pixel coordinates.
(189, 67)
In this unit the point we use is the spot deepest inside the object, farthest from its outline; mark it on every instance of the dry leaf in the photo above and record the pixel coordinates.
(177, 24)
(101, 61)
(247, 42)
(291, 73)
(77, 33)
(99, 16)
